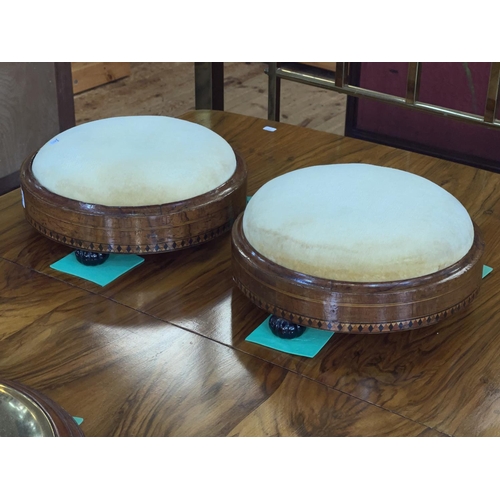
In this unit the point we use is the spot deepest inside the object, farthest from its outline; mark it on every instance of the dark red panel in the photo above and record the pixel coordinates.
(460, 86)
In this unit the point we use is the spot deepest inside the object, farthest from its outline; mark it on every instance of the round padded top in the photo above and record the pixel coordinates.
(134, 161)
(358, 223)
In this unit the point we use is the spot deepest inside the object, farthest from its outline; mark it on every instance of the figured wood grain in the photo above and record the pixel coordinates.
(445, 377)
(321, 419)
(128, 374)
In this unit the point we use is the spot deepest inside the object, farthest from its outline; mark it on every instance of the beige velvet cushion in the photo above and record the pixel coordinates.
(134, 161)
(357, 222)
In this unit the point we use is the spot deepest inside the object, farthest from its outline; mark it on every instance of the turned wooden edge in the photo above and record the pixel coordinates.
(63, 424)
(468, 271)
(357, 328)
(173, 245)
(229, 197)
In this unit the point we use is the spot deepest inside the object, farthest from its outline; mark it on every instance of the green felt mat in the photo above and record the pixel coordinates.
(308, 344)
(114, 267)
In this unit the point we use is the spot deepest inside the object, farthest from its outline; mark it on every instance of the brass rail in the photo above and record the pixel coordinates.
(340, 84)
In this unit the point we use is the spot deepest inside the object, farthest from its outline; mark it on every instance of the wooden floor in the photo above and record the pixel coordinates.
(168, 89)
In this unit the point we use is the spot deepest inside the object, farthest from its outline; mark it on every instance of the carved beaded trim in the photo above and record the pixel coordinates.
(168, 246)
(325, 324)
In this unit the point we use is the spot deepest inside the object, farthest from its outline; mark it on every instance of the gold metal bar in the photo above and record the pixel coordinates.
(413, 82)
(340, 74)
(326, 83)
(315, 81)
(493, 93)
(451, 113)
(373, 94)
(380, 96)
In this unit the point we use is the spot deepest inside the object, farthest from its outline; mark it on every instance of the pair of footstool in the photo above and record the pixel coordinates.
(353, 248)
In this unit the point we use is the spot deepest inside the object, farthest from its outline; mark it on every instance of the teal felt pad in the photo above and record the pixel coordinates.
(78, 420)
(308, 344)
(248, 198)
(115, 266)
(486, 270)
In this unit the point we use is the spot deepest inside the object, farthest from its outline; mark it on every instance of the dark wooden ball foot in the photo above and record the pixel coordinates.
(285, 329)
(91, 258)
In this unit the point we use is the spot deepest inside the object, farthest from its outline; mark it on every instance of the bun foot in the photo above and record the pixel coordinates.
(285, 329)
(91, 258)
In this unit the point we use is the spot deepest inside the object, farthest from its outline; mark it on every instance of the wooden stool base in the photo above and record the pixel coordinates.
(136, 230)
(351, 307)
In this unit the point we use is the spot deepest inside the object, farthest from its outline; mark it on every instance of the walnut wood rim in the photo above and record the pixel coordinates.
(138, 230)
(62, 423)
(354, 307)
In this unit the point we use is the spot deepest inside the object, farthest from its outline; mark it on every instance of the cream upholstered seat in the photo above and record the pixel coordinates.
(357, 222)
(134, 161)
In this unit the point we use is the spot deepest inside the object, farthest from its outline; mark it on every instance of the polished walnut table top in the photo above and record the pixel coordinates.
(161, 351)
